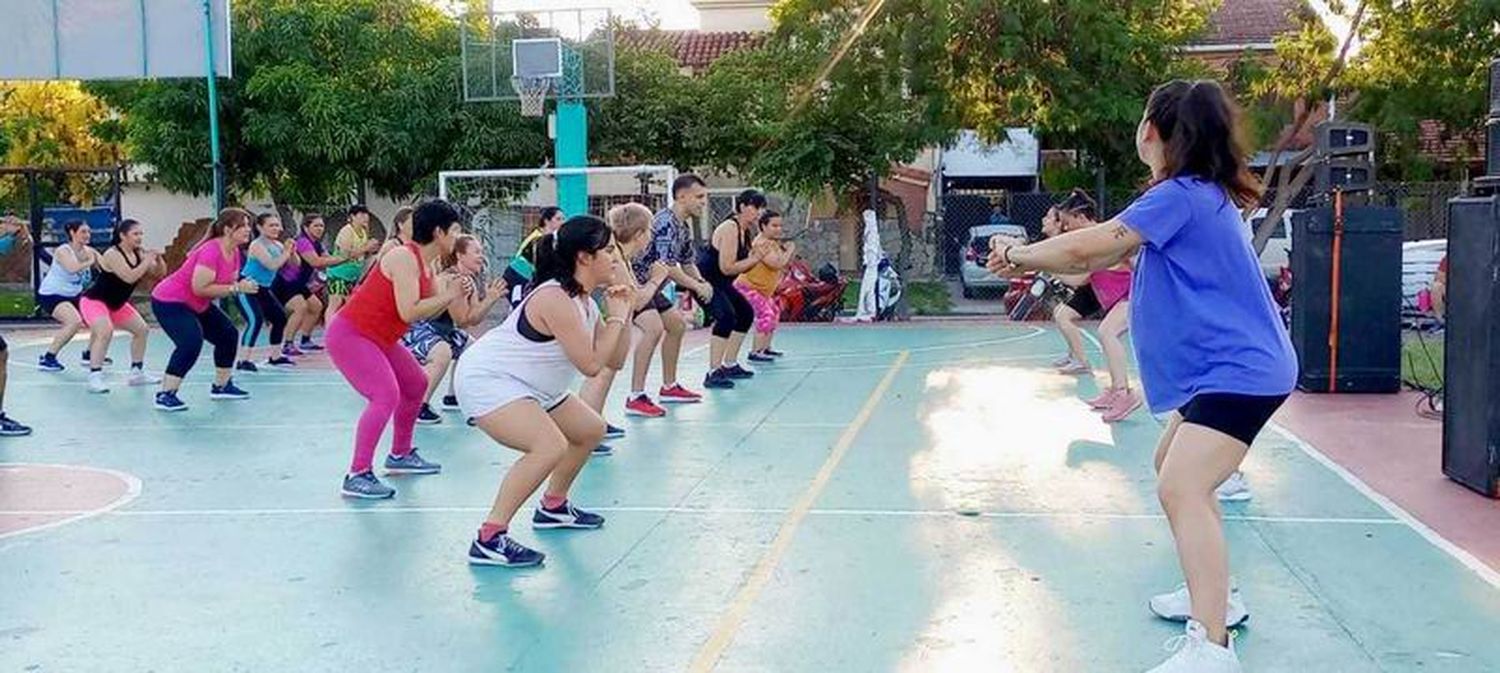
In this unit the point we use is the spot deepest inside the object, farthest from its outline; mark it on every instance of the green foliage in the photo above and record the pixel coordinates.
(652, 117)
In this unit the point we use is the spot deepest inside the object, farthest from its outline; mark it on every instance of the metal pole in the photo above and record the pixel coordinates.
(213, 104)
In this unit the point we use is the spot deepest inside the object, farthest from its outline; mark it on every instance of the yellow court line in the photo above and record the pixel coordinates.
(729, 622)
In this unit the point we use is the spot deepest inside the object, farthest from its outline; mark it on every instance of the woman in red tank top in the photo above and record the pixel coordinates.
(364, 342)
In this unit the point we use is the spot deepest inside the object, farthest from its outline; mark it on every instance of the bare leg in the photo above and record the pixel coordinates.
(99, 333)
(584, 430)
(1196, 462)
(523, 426)
(71, 322)
(139, 333)
(438, 360)
(1115, 324)
(732, 348)
(717, 345)
(1067, 323)
(675, 327)
(651, 336)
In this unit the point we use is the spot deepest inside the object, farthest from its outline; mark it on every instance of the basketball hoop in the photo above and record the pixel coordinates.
(533, 93)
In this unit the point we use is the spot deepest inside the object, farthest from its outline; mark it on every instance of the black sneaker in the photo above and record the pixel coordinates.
(247, 366)
(717, 379)
(612, 432)
(566, 516)
(85, 360)
(603, 450)
(757, 356)
(470, 422)
(167, 400)
(503, 551)
(738, 372)
(280, 362)
(450, 402)
(773, 353)
(10, 428)
(427, 416)
(228, 391)
(48, 363)
(308, 345)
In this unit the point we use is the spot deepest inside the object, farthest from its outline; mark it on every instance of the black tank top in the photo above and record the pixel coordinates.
(110, 289)
(708, 261)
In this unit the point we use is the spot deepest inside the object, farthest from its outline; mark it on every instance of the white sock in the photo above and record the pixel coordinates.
(637, 394)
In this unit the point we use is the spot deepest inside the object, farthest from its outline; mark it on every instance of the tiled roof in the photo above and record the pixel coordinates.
(1250, 21)
(693, 49)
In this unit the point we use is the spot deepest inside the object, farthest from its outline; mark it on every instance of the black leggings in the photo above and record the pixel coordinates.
(261, 308)
(188, 331)
(730, 311)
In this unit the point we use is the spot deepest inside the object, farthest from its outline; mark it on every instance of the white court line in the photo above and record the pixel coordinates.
(1480, 568)
(705, 511)
(1034, 332)
(455, 425)
(132, 491)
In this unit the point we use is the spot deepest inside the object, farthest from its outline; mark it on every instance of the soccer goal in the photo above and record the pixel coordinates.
(500, 206)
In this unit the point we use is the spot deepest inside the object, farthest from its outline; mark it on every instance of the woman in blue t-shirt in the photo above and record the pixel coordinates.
(1212, 350)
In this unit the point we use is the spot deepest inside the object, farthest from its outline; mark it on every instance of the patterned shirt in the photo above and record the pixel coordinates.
(671, 243)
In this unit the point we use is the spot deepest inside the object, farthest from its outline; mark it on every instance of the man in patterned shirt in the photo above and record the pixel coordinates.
(670, 251)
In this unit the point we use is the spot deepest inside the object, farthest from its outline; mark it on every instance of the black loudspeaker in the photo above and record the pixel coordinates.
(1369, 330)
(1337, 138)
(1471, 370)
(1348, 174)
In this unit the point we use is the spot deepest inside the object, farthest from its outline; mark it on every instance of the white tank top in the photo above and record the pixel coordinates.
(541, 365)
(60, 281)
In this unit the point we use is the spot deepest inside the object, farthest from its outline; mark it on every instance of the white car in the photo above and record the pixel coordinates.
(1278, 251)
(973, 275)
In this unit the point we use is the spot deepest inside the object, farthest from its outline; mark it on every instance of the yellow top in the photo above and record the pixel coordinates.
(762, 278)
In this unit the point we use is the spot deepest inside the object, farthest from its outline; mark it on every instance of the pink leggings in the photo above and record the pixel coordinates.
(767, 309)
(389, 378)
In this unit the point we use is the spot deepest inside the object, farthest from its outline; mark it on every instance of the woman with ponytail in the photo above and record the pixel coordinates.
(1213, 352)
(105, 305)
(514, 382)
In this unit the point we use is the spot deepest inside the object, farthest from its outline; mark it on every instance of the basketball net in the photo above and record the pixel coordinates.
(533, 93)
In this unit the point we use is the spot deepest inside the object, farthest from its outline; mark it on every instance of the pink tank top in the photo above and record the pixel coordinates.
(1111, 286)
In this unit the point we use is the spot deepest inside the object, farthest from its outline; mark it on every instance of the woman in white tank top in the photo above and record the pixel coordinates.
(514, 383)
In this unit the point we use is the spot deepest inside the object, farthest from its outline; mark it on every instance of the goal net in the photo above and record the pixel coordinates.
(501, 206)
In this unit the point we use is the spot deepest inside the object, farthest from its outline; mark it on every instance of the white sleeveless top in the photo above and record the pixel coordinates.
(60, 281)
(541, 366)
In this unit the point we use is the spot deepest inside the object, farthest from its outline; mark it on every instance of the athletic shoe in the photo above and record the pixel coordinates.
(1103, 400)
(308, 345)
(773, 353)
(365, 485)
(426, 416)
(603, 450)
(1075, 368)
(677, 394)
(247, 366)
(167, 400)
(1177, 606)
(450, 402)
(612, 432)
(1234, 489)
(96, 383)
(1193, 653)
(757, 356)
(471, 422)
(411, 463)
(281, 362)
(717, 380)
(48, 363)
(291, 351)
(1122, 407)
(139, 377)
(10, 428)
(85, 360)
(503, 551)
(736, 372)
(228, 391)
(1063, 362)
(566, 516)
(641, 405)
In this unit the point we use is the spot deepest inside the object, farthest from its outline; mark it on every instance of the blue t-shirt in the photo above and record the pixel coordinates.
(258, 272)
(1201, 315)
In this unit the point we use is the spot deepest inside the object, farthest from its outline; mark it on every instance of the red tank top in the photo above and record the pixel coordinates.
(372, 307)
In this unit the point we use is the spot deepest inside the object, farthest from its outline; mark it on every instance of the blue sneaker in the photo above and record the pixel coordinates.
(364, 485)
(426, 416)
(757, 356)
(247, 366)
(228, 391)
(737, 372)
(612, 432)
(10, 428)
(566, 516)
(718, 380)
(48, 363)
(410, 463)
(503, 551)
(603, 450)
(167, 400)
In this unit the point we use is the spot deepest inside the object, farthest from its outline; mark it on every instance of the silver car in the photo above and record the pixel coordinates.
(973, 275)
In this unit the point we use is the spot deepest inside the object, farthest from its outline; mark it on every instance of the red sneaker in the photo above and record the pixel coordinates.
(1105, 399)
(679, 395)
(641, 405)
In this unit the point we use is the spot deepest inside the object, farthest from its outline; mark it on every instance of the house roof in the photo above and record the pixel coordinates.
(1240, 22)
(693, 49)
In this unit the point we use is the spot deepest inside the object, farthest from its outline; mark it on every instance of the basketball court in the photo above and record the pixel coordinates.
(917, 498)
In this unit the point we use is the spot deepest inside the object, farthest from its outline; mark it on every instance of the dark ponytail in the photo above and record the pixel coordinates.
(557, 253)
(122, 229)
(1203, 136)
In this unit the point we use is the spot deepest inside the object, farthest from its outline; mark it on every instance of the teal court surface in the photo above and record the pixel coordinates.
(926, 497)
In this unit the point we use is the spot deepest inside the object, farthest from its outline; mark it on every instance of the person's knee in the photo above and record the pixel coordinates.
(552, 449)
(1176, 493)
(673, 323)
(593, 434)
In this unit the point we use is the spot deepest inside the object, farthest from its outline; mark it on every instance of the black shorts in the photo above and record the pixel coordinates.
(1084, 301)
(658, 303)
(1239, 416)
(49, 302)
(286, 291)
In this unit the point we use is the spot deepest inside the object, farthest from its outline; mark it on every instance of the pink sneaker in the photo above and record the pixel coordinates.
(1104, 400)
(1124, 404)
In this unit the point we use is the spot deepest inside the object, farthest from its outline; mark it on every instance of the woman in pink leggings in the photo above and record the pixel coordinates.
(758, 285)
(364, 342)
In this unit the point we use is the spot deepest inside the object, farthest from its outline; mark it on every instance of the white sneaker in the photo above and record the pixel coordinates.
(1193, 653)
(1177, 606)
(139, 377)
(96, 383)
(1234, 489)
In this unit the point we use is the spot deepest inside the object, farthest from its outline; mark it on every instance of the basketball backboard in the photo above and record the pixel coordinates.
(572, 48)
(111, 39)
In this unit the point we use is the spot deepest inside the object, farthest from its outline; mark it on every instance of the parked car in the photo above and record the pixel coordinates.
(974, 276)
(1278, 251)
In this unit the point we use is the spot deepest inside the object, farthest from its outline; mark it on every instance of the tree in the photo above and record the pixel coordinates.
(653, 116)
(52, 124)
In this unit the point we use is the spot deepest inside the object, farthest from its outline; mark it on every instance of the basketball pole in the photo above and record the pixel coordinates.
(570, 147)
(213, 105)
